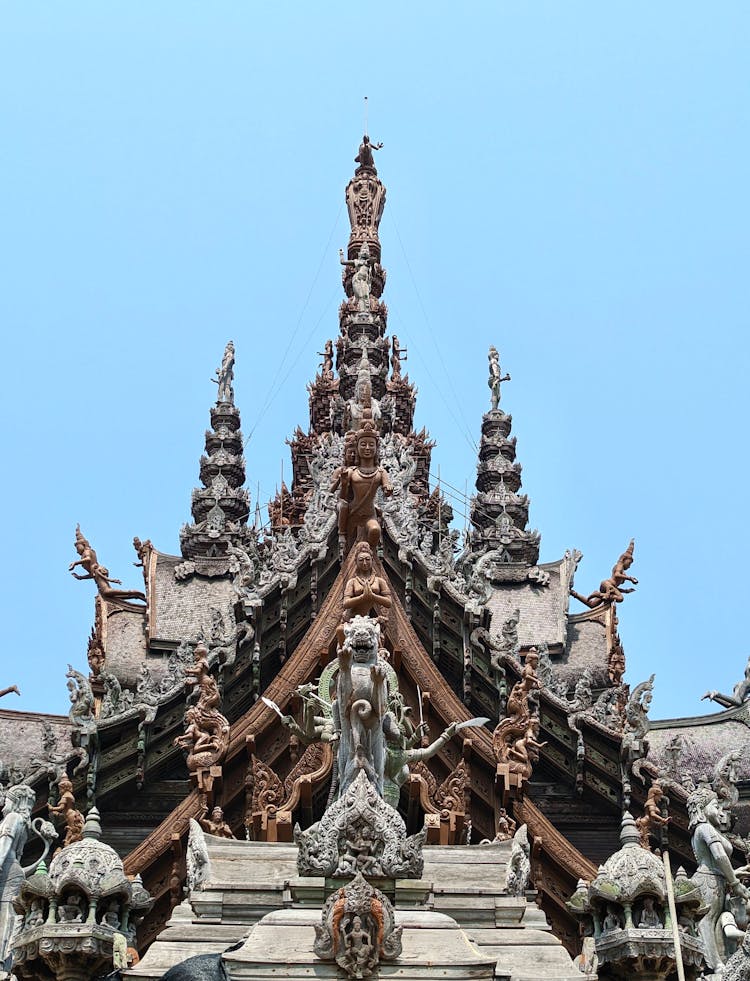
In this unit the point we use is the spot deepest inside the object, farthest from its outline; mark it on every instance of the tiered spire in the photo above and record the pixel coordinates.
(220, 508)
(499, 513)
(358, 363)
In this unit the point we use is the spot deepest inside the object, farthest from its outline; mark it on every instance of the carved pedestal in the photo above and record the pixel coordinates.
(272, 825)
(445, 828)
(510, 783)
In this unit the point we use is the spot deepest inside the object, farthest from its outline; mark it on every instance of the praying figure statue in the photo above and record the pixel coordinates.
(366, 594)
(225, 376)
(357, 489)
(496, 378)
(362, 278)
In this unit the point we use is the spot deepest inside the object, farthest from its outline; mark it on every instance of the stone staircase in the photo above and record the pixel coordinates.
(458, 921)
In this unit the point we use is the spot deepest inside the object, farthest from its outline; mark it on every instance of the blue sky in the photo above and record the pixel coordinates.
(565, 180)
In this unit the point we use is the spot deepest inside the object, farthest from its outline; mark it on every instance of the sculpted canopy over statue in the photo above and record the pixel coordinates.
(357, 490)
(225, 376)
(100, 574)
(612, 590)
(495, 379)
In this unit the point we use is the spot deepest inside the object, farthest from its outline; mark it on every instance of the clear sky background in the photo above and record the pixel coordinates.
(567, 180)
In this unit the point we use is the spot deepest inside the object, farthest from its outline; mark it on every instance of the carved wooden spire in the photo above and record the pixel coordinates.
(499, 513)
(221, 506)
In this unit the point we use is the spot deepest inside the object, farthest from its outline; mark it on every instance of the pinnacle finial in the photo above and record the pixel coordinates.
(92, 828)
(629, 834)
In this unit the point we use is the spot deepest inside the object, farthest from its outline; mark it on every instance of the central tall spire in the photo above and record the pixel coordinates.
(362, 356)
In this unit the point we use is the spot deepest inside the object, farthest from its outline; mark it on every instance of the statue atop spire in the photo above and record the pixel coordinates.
(365, 158)
(221, 506)
(365, 200)
(496, 379)
(225, 376)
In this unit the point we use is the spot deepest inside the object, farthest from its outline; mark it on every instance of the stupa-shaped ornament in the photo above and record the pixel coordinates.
(78, 919)
(626, 910)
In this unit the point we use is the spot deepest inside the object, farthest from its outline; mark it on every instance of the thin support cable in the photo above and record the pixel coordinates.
(429, 325)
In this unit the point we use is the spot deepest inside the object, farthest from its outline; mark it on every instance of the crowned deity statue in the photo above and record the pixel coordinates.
(360, 710)
(495, 379)
(15, 827)
(726, 897)
(88, 560)
(366, 594)
(357, 490)
(225, 376)
(362, 278)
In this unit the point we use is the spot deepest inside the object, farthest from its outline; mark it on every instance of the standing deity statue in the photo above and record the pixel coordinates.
(495, 379)
(360, 710)
(364, 157)
(15, 827)
(358, 487)
(225, 376)
(326, 367)
(362, 278)
(722, 926)
(398, 354)
(515, 739)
